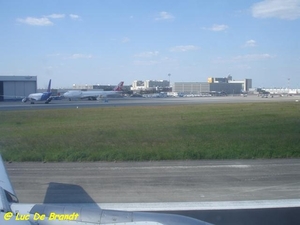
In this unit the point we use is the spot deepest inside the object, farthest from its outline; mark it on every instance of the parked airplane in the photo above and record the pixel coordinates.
(46, 96)
(93, 95)
(14, 213)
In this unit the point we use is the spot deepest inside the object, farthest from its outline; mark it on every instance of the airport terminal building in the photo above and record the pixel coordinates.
(224, 85)
(14, 88)
(149, 84)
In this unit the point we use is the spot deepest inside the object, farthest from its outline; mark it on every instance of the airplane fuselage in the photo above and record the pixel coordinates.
(40, 96)
(91, 95)
(46, 96)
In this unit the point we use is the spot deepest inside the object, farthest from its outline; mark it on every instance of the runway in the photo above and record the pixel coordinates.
(221, 192)
(59, 104)
(162, 181)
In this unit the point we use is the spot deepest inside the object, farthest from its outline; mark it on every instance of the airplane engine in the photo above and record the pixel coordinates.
(24, 100)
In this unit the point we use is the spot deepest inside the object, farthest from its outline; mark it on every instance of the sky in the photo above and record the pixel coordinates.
(108, 41)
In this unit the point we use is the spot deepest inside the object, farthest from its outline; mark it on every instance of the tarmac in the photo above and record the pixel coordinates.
(235, 192)
(129, 102)
(157, 181)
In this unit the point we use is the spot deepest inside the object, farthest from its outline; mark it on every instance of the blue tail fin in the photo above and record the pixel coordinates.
(49, 86)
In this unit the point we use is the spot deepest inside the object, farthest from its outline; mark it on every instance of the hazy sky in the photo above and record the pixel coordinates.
(106, 41)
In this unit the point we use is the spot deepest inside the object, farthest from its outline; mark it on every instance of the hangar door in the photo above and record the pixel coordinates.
(1, 91)
(18, 89)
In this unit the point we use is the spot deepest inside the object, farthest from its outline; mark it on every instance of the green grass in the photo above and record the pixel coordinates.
(210, 131)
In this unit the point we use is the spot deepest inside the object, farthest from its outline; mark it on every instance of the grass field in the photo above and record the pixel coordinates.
(210, 131)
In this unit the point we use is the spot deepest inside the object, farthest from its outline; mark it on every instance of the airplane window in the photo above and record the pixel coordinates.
(158, 112)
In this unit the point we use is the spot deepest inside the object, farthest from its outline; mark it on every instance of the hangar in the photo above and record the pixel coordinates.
(14, 88)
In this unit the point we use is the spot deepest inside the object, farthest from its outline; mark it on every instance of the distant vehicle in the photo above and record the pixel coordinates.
(46, 96)
(93, 95)
(136, 95)
(13, 213)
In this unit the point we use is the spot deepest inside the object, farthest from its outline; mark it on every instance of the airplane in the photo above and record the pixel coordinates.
(92, 95)
(46, 96)
(14, 213)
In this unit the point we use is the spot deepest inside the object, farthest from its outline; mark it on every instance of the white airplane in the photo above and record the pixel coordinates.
(92, 95)
(14, 213)
(46, 96)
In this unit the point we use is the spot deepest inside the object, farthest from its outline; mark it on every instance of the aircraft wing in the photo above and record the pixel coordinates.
(4, 179)
(91, 94)
(12, 213)
(7, 193)
(97, 94)
(12, 220)
(105, 94)
(7, 196)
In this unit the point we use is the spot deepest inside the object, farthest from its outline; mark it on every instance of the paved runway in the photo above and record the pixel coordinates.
(164, 181)
(139, 102)
(213, 191)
